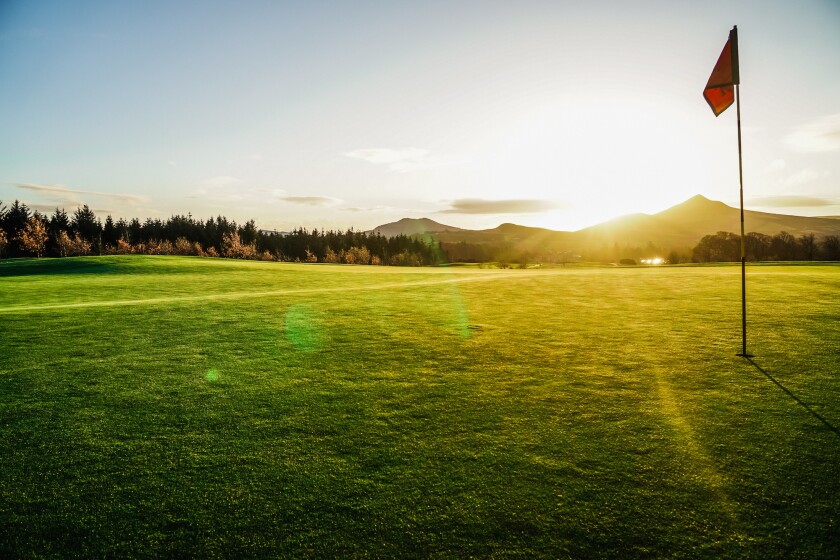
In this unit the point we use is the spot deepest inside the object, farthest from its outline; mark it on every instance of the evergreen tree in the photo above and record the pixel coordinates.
(110, 235)
(86, 225)
(135, 232)
(14, 221)
(248, 232)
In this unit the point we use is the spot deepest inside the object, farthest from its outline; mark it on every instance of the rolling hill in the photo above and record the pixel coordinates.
(413, 226)
(679, 227)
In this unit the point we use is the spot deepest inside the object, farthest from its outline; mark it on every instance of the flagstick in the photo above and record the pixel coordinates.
(743, 353)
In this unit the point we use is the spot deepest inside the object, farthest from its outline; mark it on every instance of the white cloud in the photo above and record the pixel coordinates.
(60, 192)
(790, 201)
(369, 209)
(820, 135)
(401, 161)
(515, 206)
(311, 200)
(803, 176)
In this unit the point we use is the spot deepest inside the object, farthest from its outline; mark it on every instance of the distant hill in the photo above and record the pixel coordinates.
(413, 226)
(679, 227)
(686, 223)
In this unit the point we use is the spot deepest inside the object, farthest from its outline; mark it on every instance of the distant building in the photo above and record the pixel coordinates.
(275, 232)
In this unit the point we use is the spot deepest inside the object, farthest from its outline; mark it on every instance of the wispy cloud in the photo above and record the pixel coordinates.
(66, 194)
(803, 176)
(311, 200)
(367, 209)
(514, 206)
(43, 208)
(820, 135)
(218, 187)
(790, 201)
(401, 161)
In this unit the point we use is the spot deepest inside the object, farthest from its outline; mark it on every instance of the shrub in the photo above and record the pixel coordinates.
(331, 257)
(405, 258)
(233, 248)
(78, 246)
(164, 247)
(357, 255)
(184, 247)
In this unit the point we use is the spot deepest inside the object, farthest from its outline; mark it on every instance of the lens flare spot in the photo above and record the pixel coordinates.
(303, 328)
(460, 314)
(212, 375)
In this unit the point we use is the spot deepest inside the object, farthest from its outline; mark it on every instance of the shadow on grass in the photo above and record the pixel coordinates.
(102, 264)
(47, 266)
(814, 413)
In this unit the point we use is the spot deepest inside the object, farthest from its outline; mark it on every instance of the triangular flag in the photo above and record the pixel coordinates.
(720, 90)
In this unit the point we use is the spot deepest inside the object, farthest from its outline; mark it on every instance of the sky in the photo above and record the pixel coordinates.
(343, 114)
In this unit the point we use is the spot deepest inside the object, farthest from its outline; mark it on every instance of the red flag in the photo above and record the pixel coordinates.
(720, 89)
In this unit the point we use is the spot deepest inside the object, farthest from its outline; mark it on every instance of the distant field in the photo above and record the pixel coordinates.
(185, 407)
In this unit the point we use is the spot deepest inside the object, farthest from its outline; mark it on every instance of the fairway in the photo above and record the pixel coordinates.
(188, 407)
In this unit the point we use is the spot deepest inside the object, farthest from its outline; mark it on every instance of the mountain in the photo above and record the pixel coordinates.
(679, 227)
(413, 226)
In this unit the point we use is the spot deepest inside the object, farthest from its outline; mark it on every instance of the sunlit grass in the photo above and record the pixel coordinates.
(175, 406)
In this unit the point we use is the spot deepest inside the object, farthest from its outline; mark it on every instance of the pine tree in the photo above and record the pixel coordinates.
(86, 225)
(14, 221)
(109, 233)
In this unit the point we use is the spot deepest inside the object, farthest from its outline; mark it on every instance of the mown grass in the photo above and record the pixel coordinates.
(183, 407)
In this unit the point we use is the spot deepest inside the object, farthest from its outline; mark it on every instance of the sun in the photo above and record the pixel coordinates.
(594, 158)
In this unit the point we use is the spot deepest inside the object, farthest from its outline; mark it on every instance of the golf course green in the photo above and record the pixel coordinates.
(160, 407)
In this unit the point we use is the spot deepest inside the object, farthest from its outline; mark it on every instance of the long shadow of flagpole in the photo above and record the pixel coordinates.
(794, 397)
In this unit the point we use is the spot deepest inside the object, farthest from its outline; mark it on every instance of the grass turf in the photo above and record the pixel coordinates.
(166, 407)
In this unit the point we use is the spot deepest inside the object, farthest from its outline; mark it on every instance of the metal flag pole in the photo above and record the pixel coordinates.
(718, 94)
(743, 353)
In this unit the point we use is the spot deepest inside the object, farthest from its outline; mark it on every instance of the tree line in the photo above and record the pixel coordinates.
(29, 233)
(725, 246)
(24, 232)
(719, 247)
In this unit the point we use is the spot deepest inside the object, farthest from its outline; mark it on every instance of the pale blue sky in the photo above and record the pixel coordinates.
(339, 114)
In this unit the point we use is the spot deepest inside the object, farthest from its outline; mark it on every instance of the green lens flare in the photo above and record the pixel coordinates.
(212, 375)
(303, 328)
(459, 311)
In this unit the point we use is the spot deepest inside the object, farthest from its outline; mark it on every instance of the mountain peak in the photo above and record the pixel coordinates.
(413, 226)
(696, 207)
(699, 200)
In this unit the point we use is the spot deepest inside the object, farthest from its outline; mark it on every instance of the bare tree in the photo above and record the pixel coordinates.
(34, 236)
(63, 242)
(808, 246)
(831, 247)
